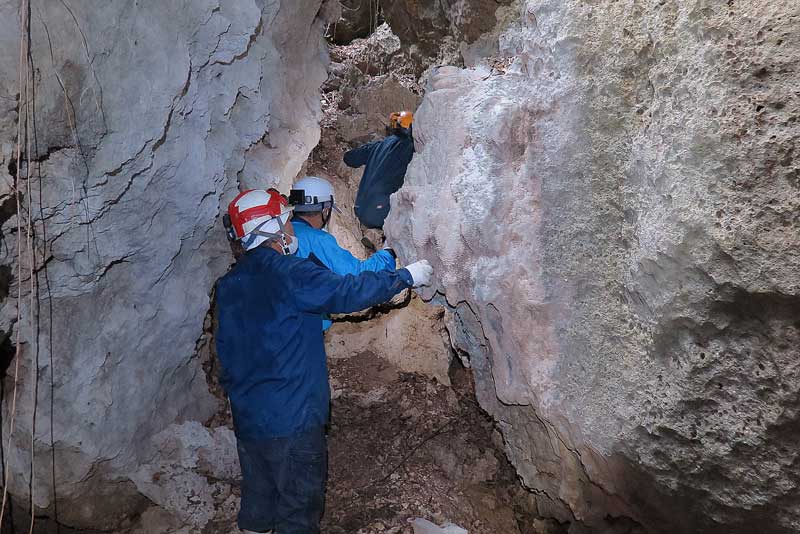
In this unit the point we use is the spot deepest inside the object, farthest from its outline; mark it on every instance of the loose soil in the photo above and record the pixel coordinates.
(403, 446)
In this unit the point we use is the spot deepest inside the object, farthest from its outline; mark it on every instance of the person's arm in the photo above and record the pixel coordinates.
(316, 289)
(359, 156)
(342, 262)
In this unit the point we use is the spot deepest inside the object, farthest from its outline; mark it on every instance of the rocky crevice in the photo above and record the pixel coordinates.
(606, 190)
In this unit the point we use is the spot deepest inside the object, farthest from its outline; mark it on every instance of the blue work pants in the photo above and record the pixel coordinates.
(283, 483)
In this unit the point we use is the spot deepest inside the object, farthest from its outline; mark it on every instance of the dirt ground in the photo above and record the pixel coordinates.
(403, 446)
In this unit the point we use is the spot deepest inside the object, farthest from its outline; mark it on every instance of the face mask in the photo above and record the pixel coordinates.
(326, 220)
(289, 248)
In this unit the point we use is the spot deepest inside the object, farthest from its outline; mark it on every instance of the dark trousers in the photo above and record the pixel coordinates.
(283, 483)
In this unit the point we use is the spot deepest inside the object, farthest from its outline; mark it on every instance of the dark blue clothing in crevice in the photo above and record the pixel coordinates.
(386, 162)
(269, 337)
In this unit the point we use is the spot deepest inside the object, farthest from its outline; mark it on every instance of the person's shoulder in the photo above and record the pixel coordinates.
(398, 140)
(301, 227)
(262, 260)
(326, 237)
(255, 262)
(316, 236)
(226, 279)
(296, 269)
(294, 263)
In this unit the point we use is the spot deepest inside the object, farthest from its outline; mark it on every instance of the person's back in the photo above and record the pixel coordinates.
(316, 243)
(274, 370)
(276, 377)
(385, 164)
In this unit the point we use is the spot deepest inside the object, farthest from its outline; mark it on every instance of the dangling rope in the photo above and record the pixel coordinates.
(44, 270)
(33, 297)
(21, 117)
(25, 134)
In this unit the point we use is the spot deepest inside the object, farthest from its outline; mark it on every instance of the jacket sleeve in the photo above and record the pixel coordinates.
(316, 289)
(359, 156)
(340, 261)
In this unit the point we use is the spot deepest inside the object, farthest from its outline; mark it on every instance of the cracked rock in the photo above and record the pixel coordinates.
(613, 224)
(140, 142)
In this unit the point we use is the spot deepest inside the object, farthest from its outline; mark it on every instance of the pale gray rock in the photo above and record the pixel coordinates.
(149, 116)
(189, 471)
(367, 118)
(428, 24)
(358, 19)
(613, 220)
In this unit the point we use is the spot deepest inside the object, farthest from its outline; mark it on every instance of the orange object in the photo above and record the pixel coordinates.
(402, 119)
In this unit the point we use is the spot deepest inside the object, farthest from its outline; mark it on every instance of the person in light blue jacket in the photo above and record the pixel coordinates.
(313, 202)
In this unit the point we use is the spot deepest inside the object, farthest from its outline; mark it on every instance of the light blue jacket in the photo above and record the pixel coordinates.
(313, 243)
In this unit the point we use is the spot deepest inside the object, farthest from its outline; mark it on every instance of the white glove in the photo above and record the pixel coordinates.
(421, 272)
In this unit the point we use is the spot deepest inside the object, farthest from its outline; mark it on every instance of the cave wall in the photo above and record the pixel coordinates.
(613, 221)
(148, 117)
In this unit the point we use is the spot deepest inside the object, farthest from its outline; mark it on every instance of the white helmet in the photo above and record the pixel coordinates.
(312, 194)
(257, 215)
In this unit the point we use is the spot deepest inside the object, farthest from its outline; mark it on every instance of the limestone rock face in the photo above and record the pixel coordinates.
(368, 118)
(613, 221)
(148, 116)
(433, 24)
(409, 334)
(357, 20)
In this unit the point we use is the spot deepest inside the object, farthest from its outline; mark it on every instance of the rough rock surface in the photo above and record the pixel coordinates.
(368, 108)
(357, 100)
(140, 140)
(410, 335)
(358, 19)
(614, 224)
(442, 28)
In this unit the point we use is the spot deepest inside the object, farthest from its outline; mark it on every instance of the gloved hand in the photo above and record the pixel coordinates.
(421, 272)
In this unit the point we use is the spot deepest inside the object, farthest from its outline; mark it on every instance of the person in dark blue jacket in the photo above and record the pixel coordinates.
(313, 203)
(385, 163)
(274, 370)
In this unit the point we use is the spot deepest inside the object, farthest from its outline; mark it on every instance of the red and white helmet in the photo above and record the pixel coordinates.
(257, 215)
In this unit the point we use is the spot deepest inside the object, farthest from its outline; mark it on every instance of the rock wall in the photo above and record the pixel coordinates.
(613, 220)
(148, 116)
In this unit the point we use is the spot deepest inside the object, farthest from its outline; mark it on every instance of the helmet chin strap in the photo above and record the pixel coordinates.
(326, 220)
(286, 250)
(280, 235)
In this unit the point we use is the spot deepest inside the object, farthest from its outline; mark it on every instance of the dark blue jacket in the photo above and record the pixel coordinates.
(386, 162)
(269, 337)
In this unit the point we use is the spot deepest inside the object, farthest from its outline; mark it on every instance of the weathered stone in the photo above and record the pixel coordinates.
(613, 221)
(358, 19)
(188, 471)
(411, 337)
(367, 118)
(428, 25)
(148, 117)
